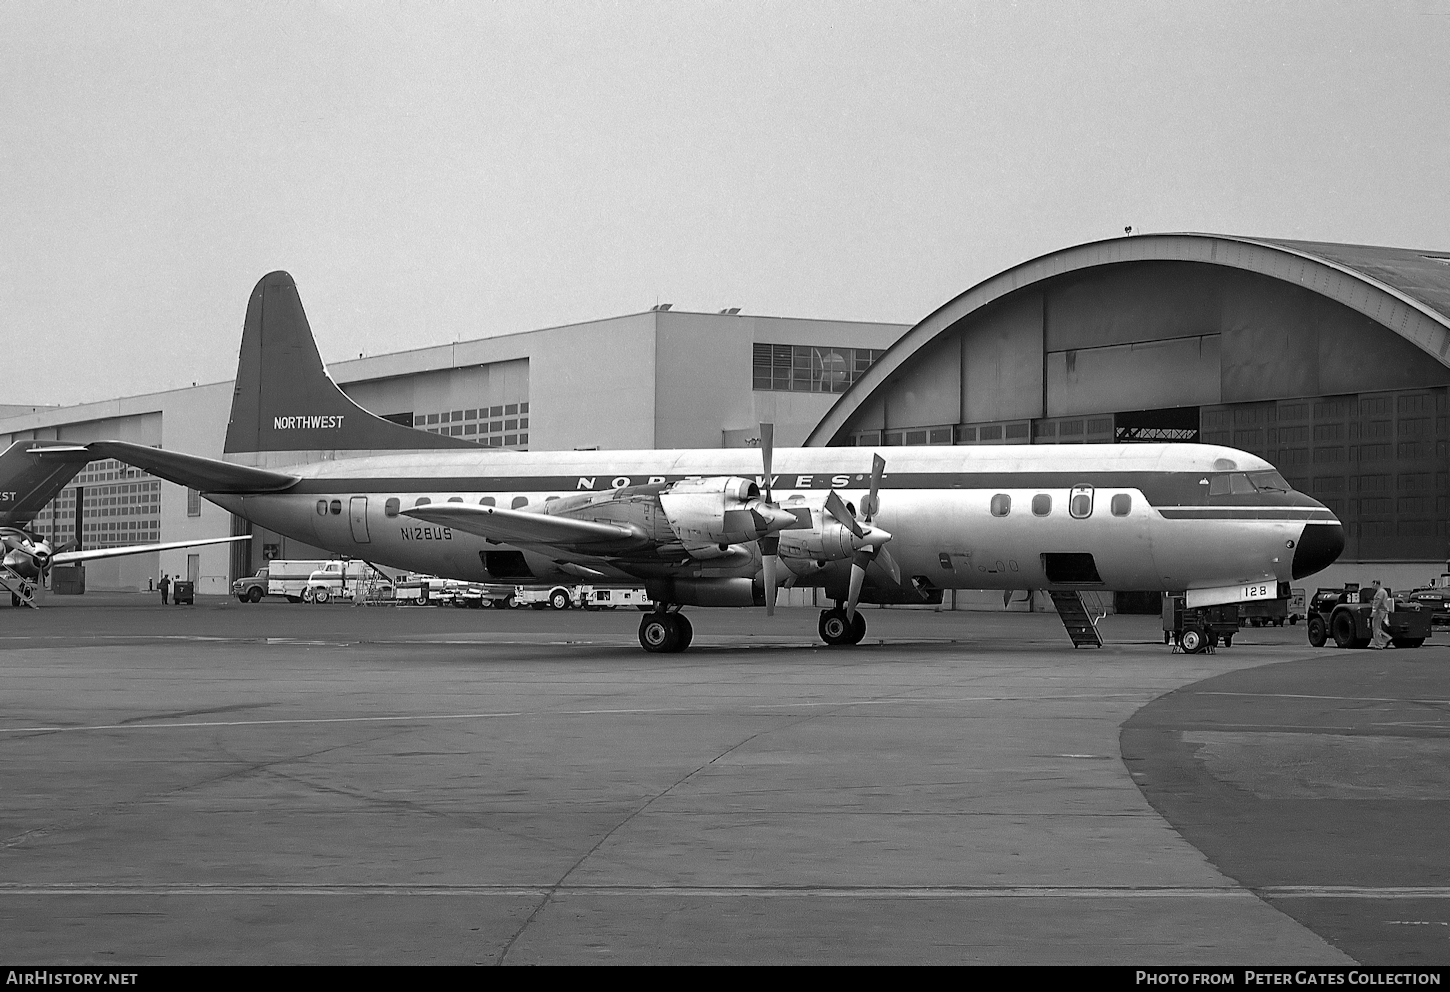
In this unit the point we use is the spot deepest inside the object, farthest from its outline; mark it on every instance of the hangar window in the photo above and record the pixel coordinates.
(1122, 505)
(1080, 503)
(390, 508)
(193, 503)
(520, 502)
(1001, 505)
(1041, 505)
(322, 508)
(335, 507)
(486, 501)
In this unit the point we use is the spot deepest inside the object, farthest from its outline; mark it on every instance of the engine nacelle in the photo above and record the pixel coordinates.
(721, 510)
(705, 592)
(826, 540)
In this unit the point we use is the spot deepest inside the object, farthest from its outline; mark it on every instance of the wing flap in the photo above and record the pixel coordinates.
(495, 523)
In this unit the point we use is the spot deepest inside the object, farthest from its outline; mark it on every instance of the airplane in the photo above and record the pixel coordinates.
(32, 473)
(727, 527)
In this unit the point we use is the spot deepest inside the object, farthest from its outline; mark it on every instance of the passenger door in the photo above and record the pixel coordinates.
(358, 512)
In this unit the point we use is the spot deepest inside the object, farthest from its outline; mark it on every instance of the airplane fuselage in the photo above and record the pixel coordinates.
(1111, 517)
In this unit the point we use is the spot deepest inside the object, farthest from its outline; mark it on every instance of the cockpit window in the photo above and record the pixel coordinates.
(1269, 482)
(1241, 483)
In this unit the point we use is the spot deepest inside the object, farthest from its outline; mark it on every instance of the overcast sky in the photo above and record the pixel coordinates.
(431, 171)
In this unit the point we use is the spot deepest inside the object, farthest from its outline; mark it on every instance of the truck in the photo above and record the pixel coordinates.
(1345, 614)
(288, 576)
(352, 580)
(251, 588)
(420, 589)
(584, 597)
(543, 597)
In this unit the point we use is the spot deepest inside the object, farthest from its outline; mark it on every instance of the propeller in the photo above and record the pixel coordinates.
(873, 539)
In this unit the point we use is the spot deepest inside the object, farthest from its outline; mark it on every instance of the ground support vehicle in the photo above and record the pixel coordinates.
(543, 597)
(1264, 613)
(612, 597)
(419, 589)
(289, 577)
(354, 581)
(183, 592)
(1345, 614)
(1196, 629)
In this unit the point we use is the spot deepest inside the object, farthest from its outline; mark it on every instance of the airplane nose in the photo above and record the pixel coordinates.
(1318, 547)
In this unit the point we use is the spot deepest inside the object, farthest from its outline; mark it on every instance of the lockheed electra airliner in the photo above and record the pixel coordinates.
(727, 527)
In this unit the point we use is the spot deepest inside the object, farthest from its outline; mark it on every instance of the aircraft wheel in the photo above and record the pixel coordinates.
(307, 595)
(254, 595)
(1316, 632)
(659, 634)
(1193, 641)
(1407, 642)
(858, 628)
(835, 629)
(321, 596)
(1341, 626)
(687, 630)
(559, 599)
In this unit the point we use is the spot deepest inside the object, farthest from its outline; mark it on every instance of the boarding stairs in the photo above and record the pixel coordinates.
(21, 591)
(1081, 625)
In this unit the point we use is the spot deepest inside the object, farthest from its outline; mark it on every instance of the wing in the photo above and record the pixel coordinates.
(66, 557)
(494, 523)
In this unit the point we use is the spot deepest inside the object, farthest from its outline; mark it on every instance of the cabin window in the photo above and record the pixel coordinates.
(422, 501)
(335, 506)
(1122, 505)
(455, 499)
(1041, 505)
(486, 501)
(520, 502)
(322, 508)
(1001, 505)
(1080, 503)
(550, 499)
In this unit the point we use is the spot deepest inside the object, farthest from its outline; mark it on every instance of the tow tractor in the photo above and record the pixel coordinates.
(1344, 614)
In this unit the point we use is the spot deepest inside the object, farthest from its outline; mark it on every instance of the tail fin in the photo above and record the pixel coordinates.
(32, 473)
(284, 399)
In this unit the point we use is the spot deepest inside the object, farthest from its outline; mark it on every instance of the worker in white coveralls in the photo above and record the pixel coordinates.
(1379, 616)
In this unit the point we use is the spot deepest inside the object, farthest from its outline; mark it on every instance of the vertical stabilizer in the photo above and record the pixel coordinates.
(284, 399)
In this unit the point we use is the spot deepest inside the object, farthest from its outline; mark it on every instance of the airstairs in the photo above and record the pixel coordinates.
(1081, 625)
(21, 591)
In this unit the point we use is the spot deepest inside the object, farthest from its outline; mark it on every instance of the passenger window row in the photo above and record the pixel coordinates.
(1079, 505)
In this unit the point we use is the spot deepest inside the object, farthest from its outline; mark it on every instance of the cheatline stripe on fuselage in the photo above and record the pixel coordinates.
(1160, 488)
(1244, 513)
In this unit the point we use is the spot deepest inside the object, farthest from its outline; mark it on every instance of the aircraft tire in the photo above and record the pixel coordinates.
(1317, 635)
(835, 629)
(1341, 626)
(254, 595)
(858, 628)
(686, 629)
(659, 634)
(1193, 641)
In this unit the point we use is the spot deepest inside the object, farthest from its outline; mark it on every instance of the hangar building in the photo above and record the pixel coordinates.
(1329, 360)
(660, 379)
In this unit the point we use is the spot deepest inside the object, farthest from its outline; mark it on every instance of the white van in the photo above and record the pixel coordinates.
(344, 580)
(289, 577)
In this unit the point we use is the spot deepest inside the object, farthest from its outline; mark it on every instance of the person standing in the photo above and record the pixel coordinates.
(165, 587)
(1379, 617)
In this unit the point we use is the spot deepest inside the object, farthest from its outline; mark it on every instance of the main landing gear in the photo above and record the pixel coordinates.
(835, 629)
(665, 633)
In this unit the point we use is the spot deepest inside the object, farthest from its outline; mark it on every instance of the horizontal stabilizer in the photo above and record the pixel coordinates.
(32, 473)
(67, 557)
(208, 475)
(518, 527)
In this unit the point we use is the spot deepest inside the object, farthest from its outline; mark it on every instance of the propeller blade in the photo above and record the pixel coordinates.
(836, 507)
(878, 469)
(767, 455)
(858, 578)
(770, 559)
(884, 559)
